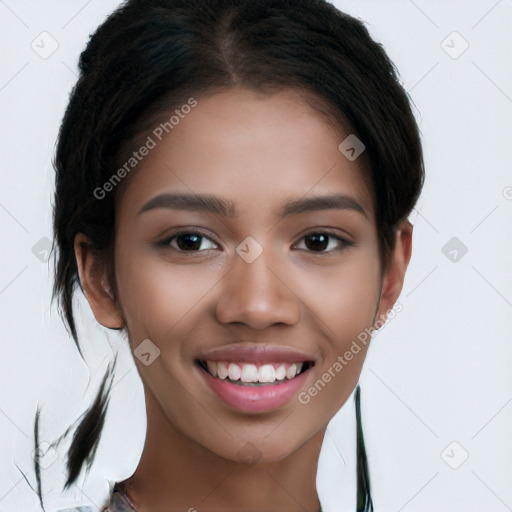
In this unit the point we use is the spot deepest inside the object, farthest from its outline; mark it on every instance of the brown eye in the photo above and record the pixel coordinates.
(320, 241)
(189, 241)
(317, 241)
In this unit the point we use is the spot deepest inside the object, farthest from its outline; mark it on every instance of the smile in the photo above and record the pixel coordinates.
(251, 374)
(255, 387)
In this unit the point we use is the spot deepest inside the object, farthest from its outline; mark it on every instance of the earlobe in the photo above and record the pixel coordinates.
(393, 279)
(95, 284)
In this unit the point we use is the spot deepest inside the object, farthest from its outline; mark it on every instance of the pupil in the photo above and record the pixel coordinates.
(320, 241)
(188, 241)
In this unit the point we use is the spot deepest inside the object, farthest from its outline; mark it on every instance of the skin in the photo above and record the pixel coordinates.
(258, 151)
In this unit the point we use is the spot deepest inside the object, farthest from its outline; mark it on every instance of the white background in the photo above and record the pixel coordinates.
(440, 372)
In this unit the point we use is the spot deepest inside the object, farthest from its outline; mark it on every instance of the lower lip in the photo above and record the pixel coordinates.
(255, 398)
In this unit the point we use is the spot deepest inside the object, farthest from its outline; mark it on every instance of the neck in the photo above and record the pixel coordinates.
(176, 473)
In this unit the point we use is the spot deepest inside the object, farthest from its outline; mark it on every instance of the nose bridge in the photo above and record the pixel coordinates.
(254, 293)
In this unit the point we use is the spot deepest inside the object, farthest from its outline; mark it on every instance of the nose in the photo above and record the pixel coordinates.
(257, 295)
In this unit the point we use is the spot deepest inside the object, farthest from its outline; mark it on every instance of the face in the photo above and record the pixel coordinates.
(233, 262)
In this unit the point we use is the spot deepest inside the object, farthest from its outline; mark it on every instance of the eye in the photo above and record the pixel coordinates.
(194, 241)
(319, 241)
(188, 241)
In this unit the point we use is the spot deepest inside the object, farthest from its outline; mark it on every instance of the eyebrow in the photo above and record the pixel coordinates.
(226, 208)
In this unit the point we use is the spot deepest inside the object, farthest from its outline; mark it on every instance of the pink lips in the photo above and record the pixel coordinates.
(255, 354)
(262, 397)
(255, 398)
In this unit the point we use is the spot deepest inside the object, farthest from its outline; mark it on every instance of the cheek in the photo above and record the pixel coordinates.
(343, 296)
(354, 302)
(342, 301)
(345, 311)
(157, 296)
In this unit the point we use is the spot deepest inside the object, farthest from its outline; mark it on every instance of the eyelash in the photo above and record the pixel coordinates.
(165, 243)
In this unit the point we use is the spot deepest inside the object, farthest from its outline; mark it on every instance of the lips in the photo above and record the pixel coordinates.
(255, 378)
(251, 353)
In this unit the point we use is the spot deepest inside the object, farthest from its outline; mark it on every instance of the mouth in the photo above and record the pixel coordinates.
(255, 387)
(254, 374)
(255, 378)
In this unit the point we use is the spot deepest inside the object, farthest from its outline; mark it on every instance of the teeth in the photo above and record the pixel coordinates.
(212, 367)
(222, 370)
(234, 371)
(266, 373)
(291, 371)
(250, 373)
(281, 372)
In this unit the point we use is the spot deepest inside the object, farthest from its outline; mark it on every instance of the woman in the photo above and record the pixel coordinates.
(232, 191)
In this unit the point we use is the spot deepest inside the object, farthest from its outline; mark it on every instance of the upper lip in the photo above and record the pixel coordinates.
(251, 353)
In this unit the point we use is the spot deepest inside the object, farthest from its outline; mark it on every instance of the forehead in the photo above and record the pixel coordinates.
(251, 148)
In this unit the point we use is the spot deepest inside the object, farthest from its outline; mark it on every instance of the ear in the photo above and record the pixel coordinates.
(95, 284)
(393, 279)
